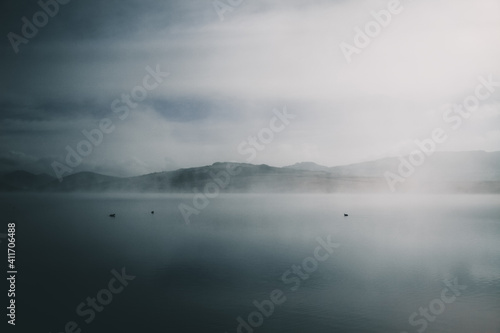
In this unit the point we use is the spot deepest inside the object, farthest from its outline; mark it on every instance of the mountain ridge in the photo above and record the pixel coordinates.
(473, 172)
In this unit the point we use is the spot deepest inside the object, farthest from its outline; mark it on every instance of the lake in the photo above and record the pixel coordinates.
(256, 263)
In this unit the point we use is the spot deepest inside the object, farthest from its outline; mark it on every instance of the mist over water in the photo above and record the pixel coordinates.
(396, 253)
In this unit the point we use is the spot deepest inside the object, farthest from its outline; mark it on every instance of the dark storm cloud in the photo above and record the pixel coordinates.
(13, 160)
(183, 110)
(202, 108)
(96, 19)
(51, 110)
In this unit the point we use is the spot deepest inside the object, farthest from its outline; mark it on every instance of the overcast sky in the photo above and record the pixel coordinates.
(226, 77)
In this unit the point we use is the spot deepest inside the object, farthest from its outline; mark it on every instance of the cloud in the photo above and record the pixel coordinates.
(226, 77)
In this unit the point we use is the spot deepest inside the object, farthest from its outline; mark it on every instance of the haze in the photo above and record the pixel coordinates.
(227, 77)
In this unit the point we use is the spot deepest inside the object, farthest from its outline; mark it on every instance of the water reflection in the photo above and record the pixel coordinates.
(396, 254)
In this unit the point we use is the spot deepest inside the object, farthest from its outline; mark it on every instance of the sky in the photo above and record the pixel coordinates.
(227, 68)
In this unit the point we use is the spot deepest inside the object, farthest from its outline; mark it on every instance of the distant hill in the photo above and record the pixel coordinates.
(464, 172)
(441, 166)
(251, 178)
(23, 181)
(309, 166)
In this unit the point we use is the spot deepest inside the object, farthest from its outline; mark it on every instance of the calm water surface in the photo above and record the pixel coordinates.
(395, 257)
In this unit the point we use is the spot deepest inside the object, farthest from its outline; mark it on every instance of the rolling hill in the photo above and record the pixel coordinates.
(469, 172)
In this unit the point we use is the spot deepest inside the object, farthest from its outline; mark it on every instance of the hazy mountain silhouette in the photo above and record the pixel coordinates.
(309, 166)
(442, 166)
(474, 172)
(23, 180)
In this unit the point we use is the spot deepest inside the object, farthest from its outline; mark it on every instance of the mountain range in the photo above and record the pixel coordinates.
(469, 172)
